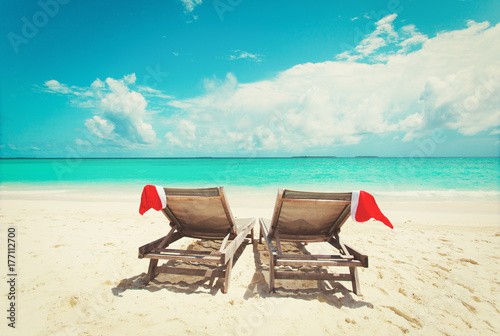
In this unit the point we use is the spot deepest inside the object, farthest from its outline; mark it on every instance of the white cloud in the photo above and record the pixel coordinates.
(121, 116)
(184, 136)
(382, 35)
(55, 86)
(451, 82)
(187, 129)
(148, 91)
(240, 54)
(189, 5)
(411, 38)
(100, 127)
(403, 40)
(126, 109)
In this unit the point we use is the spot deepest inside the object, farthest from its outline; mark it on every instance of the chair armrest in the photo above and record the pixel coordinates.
(230, 249)
(356, 254)
(267, 239)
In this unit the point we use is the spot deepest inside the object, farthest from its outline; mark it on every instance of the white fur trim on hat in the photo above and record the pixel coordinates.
(162, 195)
(354, 204)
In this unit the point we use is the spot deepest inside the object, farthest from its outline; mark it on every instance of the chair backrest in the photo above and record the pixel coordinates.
(309, 216)
(202, 213)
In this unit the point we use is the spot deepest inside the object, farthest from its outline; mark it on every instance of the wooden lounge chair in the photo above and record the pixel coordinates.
(203, 214)
(309, 217)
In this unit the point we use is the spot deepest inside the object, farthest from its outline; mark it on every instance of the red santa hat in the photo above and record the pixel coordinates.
(152, 197)
(364, 207)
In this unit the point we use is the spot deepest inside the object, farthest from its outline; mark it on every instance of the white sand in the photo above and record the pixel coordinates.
(436, 273)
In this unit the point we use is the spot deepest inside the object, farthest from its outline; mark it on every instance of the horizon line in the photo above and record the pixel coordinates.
(251, 157)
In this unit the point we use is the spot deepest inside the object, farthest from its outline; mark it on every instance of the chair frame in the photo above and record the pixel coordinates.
(347, 257)
(223, 258)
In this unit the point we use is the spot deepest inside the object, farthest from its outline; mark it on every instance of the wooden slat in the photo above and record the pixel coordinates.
(193, 271)
(224, 242)
(312, 276)
(278, 242)
(166, 241)
(313, 256)
(150, 246)
(315, 201)
(193, 252)
(205, 235)
(192, 198)
(276, 213)
(208, 259)
(227, 210)
(198, 192)
(293, 194)
(267, 239)
(339, 262)
(303, 238)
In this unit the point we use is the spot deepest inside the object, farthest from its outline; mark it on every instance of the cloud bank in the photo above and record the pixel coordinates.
(396, 82)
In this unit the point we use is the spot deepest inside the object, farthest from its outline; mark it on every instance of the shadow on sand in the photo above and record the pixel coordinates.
(330, 292)
(181, 283)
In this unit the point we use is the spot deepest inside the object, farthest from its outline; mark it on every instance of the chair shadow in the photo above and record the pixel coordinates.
(181, 283)
(320, 290)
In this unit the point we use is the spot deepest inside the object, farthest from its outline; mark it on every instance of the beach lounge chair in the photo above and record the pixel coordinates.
(204, 214)
(308, 217)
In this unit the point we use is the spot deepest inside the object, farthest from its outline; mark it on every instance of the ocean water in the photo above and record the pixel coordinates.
(397, 177)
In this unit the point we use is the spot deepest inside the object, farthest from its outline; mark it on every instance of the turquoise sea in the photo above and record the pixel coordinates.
(469, 177)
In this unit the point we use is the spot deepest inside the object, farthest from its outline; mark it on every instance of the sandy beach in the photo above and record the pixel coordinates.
(436, 273)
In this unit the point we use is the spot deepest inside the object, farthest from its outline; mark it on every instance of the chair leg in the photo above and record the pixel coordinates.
(151, 271)
(271, 274)
(227, 278)
(355, 280)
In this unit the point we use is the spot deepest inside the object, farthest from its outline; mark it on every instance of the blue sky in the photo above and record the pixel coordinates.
(249, 78)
